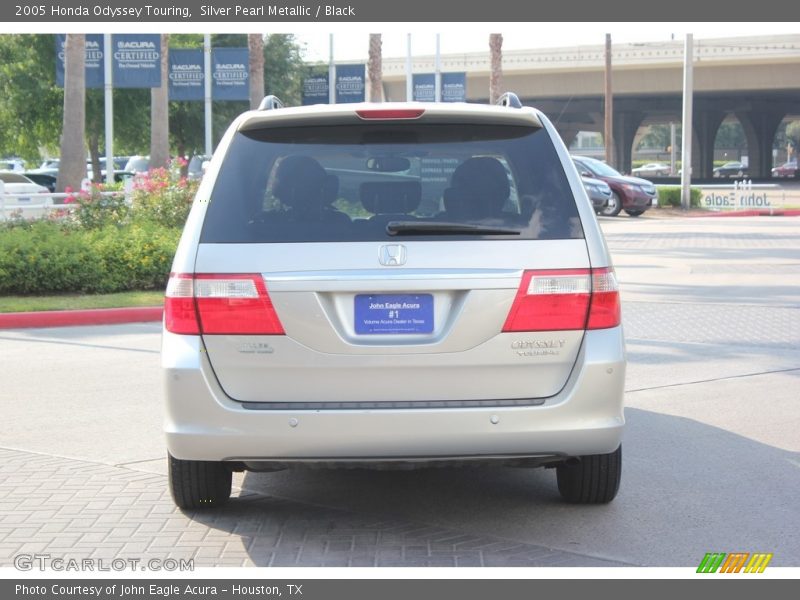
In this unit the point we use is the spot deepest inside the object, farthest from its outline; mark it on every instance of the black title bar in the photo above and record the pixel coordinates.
(363, 11)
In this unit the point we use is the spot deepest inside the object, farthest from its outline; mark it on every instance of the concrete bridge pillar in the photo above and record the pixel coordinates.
(626, 124)
(759, 129)
(706, 123)
(567, 134)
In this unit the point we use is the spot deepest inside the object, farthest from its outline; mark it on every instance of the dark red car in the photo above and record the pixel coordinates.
(785, 170)
(631, 194)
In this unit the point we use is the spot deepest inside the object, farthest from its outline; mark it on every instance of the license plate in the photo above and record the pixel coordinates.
(393, 313)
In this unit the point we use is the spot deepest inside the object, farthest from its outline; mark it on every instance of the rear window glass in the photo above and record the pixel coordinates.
(381, 182)
(13, 178)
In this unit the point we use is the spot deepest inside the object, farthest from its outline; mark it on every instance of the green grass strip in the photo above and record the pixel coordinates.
(80, 301)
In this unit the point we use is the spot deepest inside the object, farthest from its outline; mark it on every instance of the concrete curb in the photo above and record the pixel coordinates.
(67, 318)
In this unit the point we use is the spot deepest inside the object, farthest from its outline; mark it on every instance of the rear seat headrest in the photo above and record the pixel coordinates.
(390, 197)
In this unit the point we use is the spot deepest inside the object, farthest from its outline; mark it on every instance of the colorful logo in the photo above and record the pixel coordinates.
(736, 562)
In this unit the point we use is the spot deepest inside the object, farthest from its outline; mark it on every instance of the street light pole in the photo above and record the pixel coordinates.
(109, 108)
(207, 65)
(608, 130)
(686, 146)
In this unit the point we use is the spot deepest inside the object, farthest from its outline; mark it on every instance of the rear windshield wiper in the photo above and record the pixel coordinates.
(444, 228)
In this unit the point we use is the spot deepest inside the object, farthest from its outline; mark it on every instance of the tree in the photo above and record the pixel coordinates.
(255, 44)
(32, 105)
(73, 149)
(730, 135)
(375, 68)
(793, 136)
(284, 68)
(159, 112)
(496, 73)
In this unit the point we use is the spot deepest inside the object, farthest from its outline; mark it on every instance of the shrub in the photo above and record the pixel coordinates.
(94, 211)
(671, 196)
(45, 257)
(136, 257)
(163, 197)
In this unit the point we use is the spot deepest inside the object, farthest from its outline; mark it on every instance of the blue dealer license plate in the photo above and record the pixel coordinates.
(393, 313)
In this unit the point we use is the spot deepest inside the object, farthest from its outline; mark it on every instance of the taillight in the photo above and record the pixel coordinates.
(180, 315)
(391, 113)
(220, 305)
(565, 299)
(605, 310)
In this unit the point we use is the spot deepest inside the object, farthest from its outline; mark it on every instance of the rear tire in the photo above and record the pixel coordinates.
(199, 484)
(613, 207)
(595, 480)
(634, 213)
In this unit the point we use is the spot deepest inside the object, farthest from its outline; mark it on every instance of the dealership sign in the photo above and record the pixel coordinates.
(135, 60)
(229, 74)
(186, 74)
(454, 87)
(94, 60)
(350, 83)
(315, 89)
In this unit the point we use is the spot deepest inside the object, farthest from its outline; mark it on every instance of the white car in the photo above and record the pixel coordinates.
(17, 192)
(651, 170)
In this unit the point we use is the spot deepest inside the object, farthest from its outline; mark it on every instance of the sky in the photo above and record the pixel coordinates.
(352, 42)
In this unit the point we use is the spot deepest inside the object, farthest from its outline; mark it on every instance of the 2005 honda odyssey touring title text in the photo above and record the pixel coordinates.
(382, 285)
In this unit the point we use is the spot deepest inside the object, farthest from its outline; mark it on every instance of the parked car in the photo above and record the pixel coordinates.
(197, 165)
(787, 169)
(119, 176)
(137, 164)
(50, 163)
(16, 165)
(45, 177)
(731, 169)
(468, 314)
(632, 194)
(120, 162)
(651, 170)
(599, 192)
(18, 193)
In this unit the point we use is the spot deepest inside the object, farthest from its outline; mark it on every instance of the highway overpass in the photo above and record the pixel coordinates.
(755, 79)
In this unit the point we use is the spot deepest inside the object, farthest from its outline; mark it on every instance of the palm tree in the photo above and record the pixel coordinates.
(72, 168)
(496, 74)
(255, 43)
(375, 68)
(159, 112)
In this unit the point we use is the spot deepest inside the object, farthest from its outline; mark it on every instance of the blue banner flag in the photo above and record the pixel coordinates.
(350, 86)
(136, 60)
(186, 74)
(454, 87)
(230, 75)
(424, 86)
(94, 60)
(315, 89)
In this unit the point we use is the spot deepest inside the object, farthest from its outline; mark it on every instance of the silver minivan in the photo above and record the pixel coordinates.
(392, 285)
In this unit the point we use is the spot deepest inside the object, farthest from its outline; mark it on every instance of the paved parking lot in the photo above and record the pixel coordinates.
(712, 454)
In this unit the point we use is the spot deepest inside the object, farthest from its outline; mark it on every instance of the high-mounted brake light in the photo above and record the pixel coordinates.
(565, 299)
(391, 113)
(205, 303)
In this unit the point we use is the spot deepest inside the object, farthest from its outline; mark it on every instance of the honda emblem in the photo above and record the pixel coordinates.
(392, 255)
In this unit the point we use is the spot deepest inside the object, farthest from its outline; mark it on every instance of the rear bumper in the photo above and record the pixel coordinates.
(202, 423)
